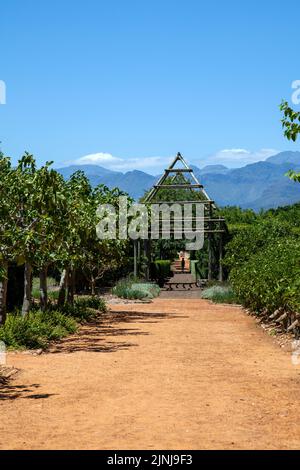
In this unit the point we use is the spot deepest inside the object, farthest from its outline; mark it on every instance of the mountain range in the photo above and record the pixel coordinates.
(260, 185)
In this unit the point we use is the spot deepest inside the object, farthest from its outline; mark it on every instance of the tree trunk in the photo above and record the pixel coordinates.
(43, 289)
(93, 285)
(62, 287)
(3, 294)
(27, 289)
(71, 286)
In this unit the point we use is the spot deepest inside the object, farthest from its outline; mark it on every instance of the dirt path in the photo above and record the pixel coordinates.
(173, 374)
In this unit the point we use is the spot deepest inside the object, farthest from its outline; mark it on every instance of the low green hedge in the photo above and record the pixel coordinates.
(161, 271)
(270, 279)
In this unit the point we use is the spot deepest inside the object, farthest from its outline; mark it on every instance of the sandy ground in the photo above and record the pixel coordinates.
(173, 374)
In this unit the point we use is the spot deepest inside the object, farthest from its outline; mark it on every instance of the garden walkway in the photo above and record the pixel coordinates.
(172, 374)
(182, 290)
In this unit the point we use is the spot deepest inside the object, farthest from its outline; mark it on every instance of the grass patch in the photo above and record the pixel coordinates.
(52, 294)
(220, 294)
(52, 285)
(130, 289)
(51, 282)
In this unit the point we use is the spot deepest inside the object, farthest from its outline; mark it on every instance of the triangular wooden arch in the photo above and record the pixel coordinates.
(186, 185)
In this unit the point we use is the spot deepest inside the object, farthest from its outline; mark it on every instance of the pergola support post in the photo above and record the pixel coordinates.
(147, 258)
(210, 248)
(138, 257)
(210, 258)
(135, 254)
(221, 274)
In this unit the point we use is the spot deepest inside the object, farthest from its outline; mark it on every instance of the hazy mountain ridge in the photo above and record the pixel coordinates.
(257, 185)
(285, 157)
(133, 182)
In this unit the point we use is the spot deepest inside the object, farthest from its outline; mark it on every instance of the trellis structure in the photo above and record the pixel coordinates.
(183, 181)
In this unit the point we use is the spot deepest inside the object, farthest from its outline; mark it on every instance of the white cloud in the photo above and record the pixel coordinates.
(237, 157)
(150, 164)
(232, 158)
(98, 159)
(235, 151)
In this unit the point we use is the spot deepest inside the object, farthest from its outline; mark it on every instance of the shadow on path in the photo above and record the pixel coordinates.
(12, 392)
(104, 335)
(95, 336)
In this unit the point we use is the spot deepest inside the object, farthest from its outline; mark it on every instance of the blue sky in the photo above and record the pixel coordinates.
(130, 83)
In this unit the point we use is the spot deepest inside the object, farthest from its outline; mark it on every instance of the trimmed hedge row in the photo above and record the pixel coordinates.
(264, 264)
(160, 271)
(270, 279)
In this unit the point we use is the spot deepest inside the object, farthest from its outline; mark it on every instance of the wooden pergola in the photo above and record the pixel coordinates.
(181, 178)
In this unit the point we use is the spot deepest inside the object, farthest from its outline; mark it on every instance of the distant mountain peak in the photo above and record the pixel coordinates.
(214, 169)
(257, 185)
(285, 157)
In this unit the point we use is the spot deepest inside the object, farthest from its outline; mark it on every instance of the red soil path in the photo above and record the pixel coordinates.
(172, 374)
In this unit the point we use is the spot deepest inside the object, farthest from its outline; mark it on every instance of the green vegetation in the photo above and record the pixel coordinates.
(124, 289)
(168, 249)
(291, 126)
(49, 224)
(52, 286)
(48, 228)
(219, 294)
(290, 121)
(131, 289)
(94, 302)
(263, 262)
(149, 291)
(269, 280)
(160, 271)
(38, 328)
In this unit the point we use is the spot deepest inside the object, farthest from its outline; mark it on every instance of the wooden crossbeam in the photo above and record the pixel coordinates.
(206, 219)
(178, 186)
(179, 170)
(172, 169)
(182, 232)
(197, 201)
